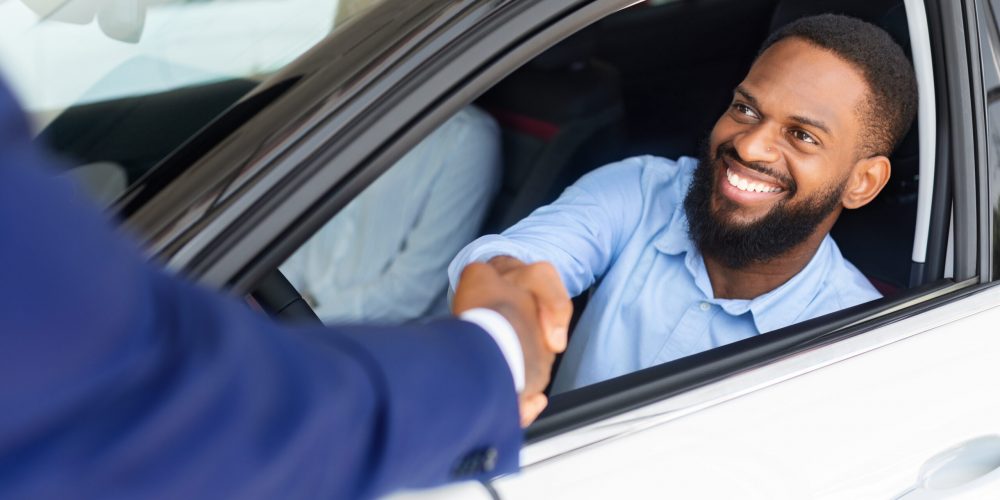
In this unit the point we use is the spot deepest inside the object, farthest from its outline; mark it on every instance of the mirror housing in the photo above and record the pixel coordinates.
(122, 20)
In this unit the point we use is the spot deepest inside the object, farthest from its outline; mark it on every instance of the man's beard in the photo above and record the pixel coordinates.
(737, 245)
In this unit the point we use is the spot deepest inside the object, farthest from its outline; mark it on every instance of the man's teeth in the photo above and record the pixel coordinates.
(745, 185)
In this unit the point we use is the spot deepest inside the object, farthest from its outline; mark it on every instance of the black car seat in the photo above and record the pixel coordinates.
(679, 63)
(561, 115)
(892, 215)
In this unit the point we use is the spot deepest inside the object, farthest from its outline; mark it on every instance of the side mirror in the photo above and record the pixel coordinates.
(121, 20)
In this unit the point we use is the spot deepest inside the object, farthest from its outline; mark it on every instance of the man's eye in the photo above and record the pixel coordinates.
(804, 136)
(745, 110)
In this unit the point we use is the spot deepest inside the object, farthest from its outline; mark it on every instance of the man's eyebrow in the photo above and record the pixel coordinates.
(811, 122)
(746, 95)
(795, 118)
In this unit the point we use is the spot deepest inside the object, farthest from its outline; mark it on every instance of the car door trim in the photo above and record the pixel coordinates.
(963, 138)
(920, 47)
(980, 164)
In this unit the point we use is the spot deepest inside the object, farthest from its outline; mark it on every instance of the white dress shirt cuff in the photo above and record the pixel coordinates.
(504, 335)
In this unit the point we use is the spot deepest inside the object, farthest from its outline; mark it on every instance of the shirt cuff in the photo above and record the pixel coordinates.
(504, 335)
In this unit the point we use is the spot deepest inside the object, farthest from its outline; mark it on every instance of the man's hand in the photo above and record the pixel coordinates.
(526, 297)
(554, 305)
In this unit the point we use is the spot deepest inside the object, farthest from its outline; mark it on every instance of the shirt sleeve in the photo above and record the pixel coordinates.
(122, 381)
(506, 338)
(579, 234)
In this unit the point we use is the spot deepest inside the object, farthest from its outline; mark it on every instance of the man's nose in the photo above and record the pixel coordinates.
(758, 144)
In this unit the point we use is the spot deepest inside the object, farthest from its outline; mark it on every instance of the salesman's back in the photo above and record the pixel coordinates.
(121, 381)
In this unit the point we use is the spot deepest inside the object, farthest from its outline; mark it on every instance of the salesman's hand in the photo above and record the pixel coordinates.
(555, 308)
(512, 295)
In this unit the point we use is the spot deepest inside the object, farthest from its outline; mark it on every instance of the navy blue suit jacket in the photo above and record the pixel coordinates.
(121, 381)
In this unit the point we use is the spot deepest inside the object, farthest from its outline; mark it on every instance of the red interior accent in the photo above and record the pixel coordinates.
(884, 288)
(527, 125)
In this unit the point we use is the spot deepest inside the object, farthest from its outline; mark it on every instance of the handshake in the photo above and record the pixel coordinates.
(534, 301)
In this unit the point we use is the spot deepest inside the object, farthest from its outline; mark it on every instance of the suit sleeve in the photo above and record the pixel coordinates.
(121, 381)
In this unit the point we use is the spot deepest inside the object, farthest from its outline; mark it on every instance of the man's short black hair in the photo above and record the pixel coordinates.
(892, 101)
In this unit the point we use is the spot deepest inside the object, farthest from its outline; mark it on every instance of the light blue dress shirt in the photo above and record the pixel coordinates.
(623, 226)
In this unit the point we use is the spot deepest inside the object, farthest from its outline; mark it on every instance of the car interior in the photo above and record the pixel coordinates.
(650, 79)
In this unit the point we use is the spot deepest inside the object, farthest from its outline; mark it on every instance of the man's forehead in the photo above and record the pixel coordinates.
(797, 78)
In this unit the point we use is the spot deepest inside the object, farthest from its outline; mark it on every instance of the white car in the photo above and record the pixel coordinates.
(898, 398)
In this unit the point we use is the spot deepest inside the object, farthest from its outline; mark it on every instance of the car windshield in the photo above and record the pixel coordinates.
(114, 86)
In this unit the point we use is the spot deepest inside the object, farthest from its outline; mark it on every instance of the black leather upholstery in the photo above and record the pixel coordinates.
(561, 116)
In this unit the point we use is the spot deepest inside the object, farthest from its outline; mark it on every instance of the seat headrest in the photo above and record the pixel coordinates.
(869, 10)
(568, 53)
(889, 15)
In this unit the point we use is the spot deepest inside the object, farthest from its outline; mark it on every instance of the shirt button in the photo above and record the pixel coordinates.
(705, 306)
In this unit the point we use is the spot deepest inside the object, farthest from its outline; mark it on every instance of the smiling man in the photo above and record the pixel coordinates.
(693, 254)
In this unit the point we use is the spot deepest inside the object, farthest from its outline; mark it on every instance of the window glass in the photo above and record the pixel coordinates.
(117, 85)
(384, 257)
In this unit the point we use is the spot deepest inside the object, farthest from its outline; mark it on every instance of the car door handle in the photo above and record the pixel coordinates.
(970, 467)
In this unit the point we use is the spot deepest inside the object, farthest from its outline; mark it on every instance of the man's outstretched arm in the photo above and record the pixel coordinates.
(124, 382)
(579, 234)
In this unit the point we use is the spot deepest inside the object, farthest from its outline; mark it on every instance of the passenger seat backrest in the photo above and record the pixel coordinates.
(561, 115)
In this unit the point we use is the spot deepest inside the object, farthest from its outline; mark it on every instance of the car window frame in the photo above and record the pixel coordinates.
(989, 27)
(962, 155)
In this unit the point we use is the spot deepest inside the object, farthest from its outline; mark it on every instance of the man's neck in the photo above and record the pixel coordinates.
(757, 279)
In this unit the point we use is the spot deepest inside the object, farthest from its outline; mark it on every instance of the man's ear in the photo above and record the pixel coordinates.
(867, 179)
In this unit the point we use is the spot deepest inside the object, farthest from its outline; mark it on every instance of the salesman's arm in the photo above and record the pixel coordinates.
(121, 381)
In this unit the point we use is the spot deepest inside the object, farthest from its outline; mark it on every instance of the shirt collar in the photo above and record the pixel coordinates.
(673, 239)
(773, 310)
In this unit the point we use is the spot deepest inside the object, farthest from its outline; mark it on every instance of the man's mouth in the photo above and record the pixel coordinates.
(751, 184)
(749, 180)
